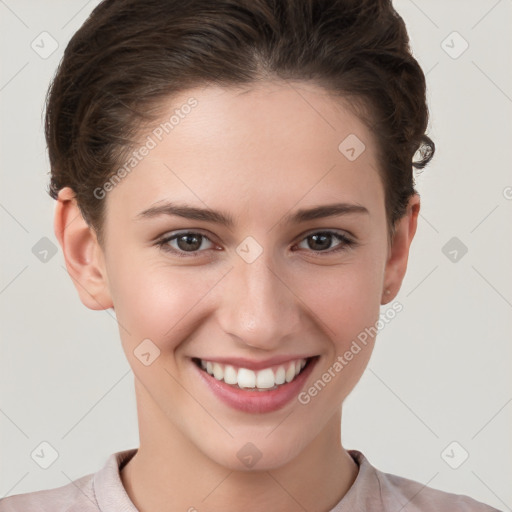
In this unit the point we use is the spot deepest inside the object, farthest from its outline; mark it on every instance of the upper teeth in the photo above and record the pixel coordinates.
(261, 379)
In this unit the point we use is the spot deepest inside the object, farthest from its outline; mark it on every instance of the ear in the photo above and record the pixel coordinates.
(83, 255)
(398, 252)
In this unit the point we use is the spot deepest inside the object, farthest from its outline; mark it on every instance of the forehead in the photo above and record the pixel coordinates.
(290, 141)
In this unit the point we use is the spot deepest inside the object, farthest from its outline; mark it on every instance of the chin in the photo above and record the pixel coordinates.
(254, 453)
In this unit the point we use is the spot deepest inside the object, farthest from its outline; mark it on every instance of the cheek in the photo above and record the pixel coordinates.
(346, 303)
(153, 300)
(345, 298)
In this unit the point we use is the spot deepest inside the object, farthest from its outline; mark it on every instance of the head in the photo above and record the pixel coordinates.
(259, 111)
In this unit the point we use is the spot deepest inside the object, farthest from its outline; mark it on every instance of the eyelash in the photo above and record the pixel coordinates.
(346, 243)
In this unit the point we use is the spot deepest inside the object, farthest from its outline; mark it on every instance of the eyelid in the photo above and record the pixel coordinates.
(337, 231)
(186, 231)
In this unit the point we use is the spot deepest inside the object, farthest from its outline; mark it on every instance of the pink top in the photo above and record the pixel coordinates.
(372, 491)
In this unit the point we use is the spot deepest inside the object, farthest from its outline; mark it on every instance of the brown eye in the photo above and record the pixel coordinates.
(185, 242)
(189, 242)
(322, 241)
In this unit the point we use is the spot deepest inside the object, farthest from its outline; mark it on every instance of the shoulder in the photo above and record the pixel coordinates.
(424, 498)
(391, 492)
(102, 490)
(75, 496)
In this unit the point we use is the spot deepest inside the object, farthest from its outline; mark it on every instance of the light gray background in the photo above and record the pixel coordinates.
(441, 370)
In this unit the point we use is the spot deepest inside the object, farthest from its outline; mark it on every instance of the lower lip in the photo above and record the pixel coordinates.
(257, 401)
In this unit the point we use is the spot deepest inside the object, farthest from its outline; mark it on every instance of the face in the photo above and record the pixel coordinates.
(281, 284)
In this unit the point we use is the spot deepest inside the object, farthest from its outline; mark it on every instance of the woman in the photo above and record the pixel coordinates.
(234, 180)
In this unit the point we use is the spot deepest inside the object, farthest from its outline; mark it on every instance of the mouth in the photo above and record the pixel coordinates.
(256, 391)
(265, 379)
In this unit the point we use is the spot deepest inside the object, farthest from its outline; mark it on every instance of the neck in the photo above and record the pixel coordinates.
(168, 473)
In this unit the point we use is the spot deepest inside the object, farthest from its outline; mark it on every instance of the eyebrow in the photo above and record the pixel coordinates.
(208, 215)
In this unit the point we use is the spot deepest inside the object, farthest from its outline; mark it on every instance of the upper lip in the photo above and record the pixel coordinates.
(242, 362)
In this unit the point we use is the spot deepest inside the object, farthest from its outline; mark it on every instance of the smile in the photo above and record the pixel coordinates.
(262, 380)
(262, 389)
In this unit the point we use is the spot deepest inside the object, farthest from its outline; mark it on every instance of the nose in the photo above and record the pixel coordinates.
(258, 304)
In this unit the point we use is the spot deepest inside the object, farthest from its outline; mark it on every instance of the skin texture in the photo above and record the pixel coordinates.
(257, 154)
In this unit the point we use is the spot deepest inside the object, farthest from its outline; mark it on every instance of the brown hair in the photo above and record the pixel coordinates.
(130, 55)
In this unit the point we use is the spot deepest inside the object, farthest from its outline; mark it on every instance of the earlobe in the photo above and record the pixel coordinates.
(396, 264)
(82, 253)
